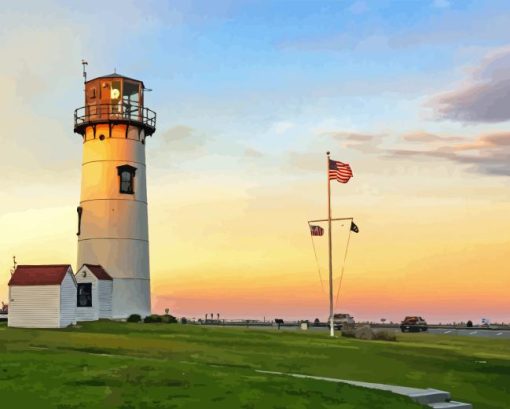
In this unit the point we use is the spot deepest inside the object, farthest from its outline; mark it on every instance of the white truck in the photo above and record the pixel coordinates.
(343, 320)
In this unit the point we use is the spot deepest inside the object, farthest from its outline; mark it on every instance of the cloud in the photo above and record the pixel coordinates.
(488, 153)
(253, 153)
(487, 142)
(363, 142)
(425, 137)
(349, 136)
(281, 127)
(183, 138)
(485, 97)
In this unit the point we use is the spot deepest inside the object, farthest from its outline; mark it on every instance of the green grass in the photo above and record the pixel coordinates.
(119, 365)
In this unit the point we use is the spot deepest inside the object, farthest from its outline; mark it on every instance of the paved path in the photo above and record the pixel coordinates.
(434, 398)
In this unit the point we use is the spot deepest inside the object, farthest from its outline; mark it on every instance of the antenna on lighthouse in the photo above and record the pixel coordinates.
(84, 63)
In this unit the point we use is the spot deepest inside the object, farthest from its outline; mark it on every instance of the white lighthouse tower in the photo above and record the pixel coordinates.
(112, 215)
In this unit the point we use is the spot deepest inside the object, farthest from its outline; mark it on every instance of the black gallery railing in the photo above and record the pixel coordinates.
(114, 112)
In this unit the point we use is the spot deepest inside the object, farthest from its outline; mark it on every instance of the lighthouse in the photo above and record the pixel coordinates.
(112, 215)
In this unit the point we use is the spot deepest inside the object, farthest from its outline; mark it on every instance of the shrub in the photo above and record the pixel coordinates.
(385, 335)
(152, 318)
(364, 332)
(348, 326)
(168, 319)
(184, 320)
(367, 333)
(469, 324)
(348, 333)
(134, 318)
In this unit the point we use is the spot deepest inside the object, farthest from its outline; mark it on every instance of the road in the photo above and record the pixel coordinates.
(474, 332)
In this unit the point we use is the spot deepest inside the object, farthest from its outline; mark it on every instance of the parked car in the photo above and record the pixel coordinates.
(342, 320)
(413, 324)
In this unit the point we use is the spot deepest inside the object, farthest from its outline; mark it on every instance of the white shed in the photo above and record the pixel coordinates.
(42, 296)
(95, 288)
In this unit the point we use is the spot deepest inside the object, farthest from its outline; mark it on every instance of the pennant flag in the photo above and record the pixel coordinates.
(316, 230)
(354, 228)
(339, 171)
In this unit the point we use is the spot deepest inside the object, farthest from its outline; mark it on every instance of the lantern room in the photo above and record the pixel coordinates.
(114, 99)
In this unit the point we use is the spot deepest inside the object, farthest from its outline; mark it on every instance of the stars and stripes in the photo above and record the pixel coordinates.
(339, 171)
(316, 230)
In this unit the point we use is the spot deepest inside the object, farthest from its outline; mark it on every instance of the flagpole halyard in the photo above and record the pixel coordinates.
(316, 258)
(343, 267)
(331, 313)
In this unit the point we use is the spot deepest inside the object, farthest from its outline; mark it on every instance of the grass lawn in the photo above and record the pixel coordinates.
(119, 365)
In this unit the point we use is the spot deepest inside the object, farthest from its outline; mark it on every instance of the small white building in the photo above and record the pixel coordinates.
(94, 293)
(42, 296)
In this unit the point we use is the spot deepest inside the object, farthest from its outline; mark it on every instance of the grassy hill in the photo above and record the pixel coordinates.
(119, 365)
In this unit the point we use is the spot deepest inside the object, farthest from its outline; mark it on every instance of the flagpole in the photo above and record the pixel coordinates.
(331, 313)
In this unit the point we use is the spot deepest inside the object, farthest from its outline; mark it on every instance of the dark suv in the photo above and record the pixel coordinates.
(413, 324)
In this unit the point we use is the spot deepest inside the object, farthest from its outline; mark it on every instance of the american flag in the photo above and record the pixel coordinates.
(316, 230)
(339, 171)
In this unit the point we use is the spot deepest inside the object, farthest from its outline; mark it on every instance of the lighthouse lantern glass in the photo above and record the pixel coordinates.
(115, 97)
(131, 99)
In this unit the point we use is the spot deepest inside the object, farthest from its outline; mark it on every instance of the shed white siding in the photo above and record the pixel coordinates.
(68, 300)
(88, 313)
(101, 297)
(36, 306)
(105, 289)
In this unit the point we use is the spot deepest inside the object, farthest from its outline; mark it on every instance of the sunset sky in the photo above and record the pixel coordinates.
(415, 95)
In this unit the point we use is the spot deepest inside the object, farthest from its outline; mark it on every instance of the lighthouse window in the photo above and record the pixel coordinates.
(79, 209)
(126, 182)
(126, 176)
(84, 295)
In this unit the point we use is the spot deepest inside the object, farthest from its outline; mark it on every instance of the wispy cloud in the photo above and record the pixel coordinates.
(426, 137)
(253, 153)
(487, 153)
(281, 127)
(363, 142)
(184, 138)
(486, 95)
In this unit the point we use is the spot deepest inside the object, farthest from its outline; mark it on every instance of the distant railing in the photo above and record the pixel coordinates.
(120, 112)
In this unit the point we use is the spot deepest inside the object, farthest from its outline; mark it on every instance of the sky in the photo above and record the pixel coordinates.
(414, 95)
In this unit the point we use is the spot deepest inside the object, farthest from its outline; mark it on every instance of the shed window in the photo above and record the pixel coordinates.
(84, 295)
(126, 177)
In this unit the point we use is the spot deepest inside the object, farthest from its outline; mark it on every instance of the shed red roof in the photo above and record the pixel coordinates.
(42, 274)
(99, 272)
